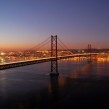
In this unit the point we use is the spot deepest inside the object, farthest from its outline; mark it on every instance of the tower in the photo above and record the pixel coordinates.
(89, 53)
(54, 56)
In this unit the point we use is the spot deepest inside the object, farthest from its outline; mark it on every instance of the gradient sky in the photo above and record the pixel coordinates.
(25, 23)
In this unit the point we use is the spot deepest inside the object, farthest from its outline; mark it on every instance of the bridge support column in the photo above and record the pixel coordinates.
(89, 59)
(54, 60)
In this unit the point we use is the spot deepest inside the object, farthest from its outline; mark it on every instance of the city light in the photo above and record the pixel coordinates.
(2, 53)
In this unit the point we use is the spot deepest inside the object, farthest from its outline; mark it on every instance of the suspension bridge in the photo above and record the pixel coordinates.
(53, 58)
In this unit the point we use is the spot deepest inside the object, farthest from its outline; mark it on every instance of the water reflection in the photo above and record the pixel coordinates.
(81, 84)
(54, 91)
(82, 72)
(72, 94)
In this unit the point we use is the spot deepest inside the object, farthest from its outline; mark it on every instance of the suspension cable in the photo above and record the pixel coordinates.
(40, 44)
(43, 45)
(65, 49)
(65, 46)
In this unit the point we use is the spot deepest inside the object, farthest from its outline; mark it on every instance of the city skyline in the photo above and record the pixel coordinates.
(25, 23)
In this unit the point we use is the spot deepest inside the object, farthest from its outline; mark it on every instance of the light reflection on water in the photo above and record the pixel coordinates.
(31, 87)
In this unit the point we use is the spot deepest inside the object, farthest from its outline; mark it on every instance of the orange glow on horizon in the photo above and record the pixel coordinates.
(13, 46)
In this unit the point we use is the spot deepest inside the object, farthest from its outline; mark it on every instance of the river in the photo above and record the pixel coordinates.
(80, 84)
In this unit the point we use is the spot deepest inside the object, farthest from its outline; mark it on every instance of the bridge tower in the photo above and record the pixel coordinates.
(89, 51)
(54, 60)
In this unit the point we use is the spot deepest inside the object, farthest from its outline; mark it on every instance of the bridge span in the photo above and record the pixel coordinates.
(40, 60)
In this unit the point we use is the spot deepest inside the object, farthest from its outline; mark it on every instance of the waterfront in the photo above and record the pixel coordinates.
(79, 84)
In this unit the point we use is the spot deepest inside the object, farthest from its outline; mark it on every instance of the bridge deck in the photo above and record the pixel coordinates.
(36, 61)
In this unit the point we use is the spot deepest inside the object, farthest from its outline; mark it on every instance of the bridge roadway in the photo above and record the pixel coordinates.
(40, 60)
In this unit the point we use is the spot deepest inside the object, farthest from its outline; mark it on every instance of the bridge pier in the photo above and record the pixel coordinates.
(54, 61)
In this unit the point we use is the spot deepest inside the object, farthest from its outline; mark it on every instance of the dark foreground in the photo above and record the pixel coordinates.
(61, 93)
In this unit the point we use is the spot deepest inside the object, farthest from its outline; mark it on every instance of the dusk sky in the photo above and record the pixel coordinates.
(25, 23)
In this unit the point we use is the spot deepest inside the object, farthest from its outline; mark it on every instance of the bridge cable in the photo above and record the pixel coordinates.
(65, 49)
(40, 44)
(65, 46)
(43, 45)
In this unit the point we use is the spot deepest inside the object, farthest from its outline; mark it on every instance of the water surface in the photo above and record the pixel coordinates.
(79, 84)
